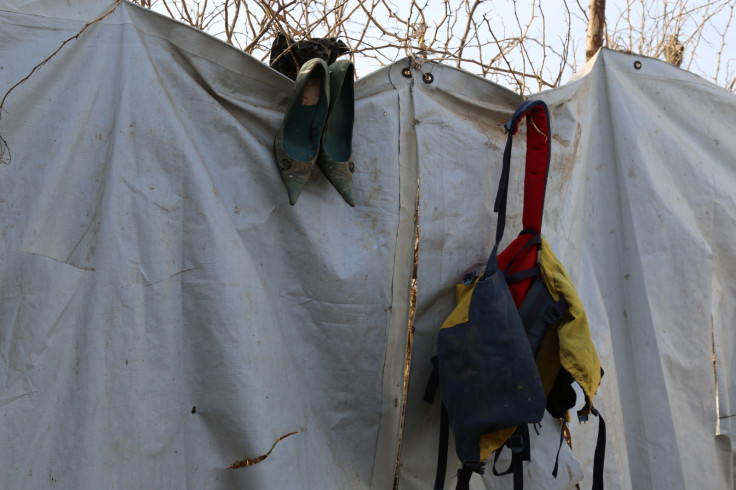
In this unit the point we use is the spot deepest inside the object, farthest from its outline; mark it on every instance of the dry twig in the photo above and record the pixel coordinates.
(500, 47)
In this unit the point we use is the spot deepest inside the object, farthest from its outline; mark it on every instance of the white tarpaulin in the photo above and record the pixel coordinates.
(165, 314)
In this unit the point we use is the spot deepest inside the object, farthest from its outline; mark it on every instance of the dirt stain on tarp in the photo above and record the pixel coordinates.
(572, 155)
(244, 463)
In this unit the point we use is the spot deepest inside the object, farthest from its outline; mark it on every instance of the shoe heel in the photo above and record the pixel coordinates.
(336, 151)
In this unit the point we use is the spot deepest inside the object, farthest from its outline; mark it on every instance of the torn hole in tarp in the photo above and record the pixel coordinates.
(409, 339)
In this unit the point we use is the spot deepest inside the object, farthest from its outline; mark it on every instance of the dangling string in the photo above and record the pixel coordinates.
(562, 438)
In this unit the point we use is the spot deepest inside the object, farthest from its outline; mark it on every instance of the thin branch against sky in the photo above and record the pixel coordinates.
(526, 45)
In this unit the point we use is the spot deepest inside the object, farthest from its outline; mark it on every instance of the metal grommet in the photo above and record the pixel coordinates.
(406, 72)
(637, 64)
(428, 78)
(351, 167)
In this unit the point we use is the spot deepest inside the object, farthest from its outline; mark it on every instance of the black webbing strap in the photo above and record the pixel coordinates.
(536, 239)
(535, 271)
(429, 392)
(433, 382)
(503, 189)
(463, 478)
(467, 470)
(562, 438)
(520, 452)
(516, 461)
(439, 478)
(525, 274)
(600, 452)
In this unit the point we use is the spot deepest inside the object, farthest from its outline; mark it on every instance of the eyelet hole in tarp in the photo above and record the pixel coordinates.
(637, 64)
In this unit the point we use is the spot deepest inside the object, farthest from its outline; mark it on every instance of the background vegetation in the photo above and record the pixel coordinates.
(525, 45)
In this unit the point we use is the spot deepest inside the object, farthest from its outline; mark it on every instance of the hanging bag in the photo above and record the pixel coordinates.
(481, 364)
(485, 363)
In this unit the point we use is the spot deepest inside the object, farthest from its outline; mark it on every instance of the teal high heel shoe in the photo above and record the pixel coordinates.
(336, 152)
(297, 142)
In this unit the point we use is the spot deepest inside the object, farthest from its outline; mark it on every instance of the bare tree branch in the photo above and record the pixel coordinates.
(501, 47)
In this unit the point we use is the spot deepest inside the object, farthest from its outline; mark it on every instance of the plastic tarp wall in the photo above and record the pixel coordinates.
(640, 207)
(164, 312)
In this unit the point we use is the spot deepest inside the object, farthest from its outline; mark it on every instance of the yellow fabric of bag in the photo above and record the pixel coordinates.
(567, 344)
(577, 353)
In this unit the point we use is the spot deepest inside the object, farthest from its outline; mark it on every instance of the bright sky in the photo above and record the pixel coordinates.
(506, 18)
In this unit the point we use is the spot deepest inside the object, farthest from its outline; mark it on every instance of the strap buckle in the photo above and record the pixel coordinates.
(507, 126)
(516, 443)
(469, 278)
(474, 466)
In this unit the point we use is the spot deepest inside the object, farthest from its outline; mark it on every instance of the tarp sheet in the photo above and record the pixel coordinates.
(165, 314)
(640, 209)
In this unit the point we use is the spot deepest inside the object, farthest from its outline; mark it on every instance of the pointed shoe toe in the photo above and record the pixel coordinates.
(294, 173)
(297, 142)
(336, 152)
(340, 175)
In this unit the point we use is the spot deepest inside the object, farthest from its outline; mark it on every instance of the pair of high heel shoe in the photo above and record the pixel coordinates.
(318, 129)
